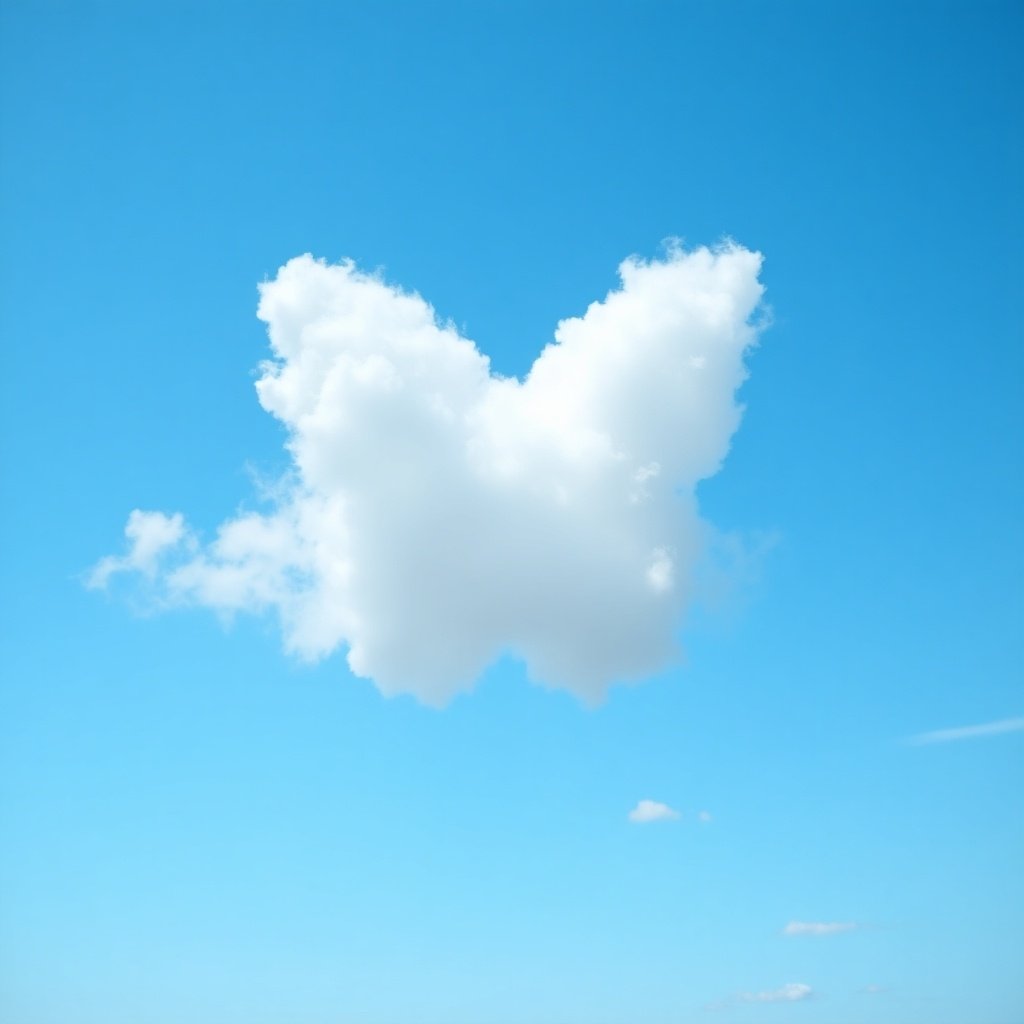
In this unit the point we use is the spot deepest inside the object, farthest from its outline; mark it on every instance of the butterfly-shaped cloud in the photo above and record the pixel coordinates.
(438, 515)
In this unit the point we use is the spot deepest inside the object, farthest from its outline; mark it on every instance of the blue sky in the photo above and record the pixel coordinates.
(201, 826)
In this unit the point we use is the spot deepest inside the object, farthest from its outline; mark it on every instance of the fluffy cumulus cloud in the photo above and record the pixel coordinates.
(438, 515)
(818, 928)
(651, 810)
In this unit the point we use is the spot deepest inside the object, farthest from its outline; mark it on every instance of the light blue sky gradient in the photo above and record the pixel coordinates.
(199, 829)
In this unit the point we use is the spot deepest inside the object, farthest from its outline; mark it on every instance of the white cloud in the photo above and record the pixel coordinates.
(150, 535)
(650, 810)
(792, 992)
(968, 732)
(819, 927)
(704, 817)
(437, 515)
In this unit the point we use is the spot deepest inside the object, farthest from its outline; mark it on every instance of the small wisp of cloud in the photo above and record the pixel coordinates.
(967, 732)
(150, 535)
(647, 811)
(792, 992)
(819, 928)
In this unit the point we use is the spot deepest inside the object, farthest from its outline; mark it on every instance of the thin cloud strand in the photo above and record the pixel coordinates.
(793, 992)
(968, 732)
(818, 928)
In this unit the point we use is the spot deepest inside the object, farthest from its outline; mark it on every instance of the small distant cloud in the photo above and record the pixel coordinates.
(650, 810)
(793, 992)
(704, 817)
(874, 990)
(968, 732)
(819, 927)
